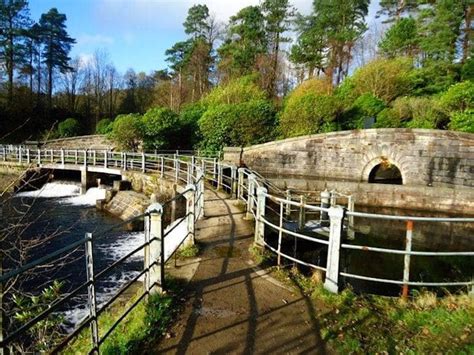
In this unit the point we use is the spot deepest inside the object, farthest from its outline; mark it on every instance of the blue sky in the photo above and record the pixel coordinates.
(135, 33)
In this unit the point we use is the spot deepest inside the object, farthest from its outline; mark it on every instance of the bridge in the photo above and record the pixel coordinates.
(211, 189)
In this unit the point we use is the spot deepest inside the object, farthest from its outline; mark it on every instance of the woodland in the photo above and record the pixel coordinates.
(268, 73)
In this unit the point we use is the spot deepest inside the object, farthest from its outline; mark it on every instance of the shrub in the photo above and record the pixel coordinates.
(462, 121)
(69, 128)
(385, 79)
(459, 97)
(364, 107)
(127, 131)
(235, 92)
(434, 77)
(308, 109)
(160, 128)
(189, 118)
(237, 124)
(104, 126)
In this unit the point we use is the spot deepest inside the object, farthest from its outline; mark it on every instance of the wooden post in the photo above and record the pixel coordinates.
(336, 215)
(406, 267)
(259, 223)
(156, 251)
(91, 294)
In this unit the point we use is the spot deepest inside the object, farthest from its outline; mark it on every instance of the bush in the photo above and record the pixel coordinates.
(364, 107)
(235, 92)
(459, 97)
(160, 128)
(69, 128)
(433, 78)
(127, 131)
(385, 79)
(309, 109)
(237, 124)
(462, 121)
(104, 126)
(189, 121)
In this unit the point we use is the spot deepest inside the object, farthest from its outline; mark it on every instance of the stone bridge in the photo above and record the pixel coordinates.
(420, 169)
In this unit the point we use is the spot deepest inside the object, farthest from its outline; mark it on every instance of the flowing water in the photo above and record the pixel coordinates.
(59, 210)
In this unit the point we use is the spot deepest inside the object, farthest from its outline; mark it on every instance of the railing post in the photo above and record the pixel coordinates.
(162, 166)
(176, 169)
(260, 215)
(39, 157)
(190, 214)
(336, 215)
(233, 181)
(406, 264)
(280, 234)
(124, 161)
(28, 156)
(240, 183)
(62, 156)
(302, 215)
(333, 195)
(214, 170)
(105, 158)
(85, 158)
(75, 156)
(146, 254)
(250, 195)
(94, 158)
(350, 208)
(173, 205)
(52, 156)
(325, 196)
(156, 267)
(19, 155)
(220, 172)
(143, 162)
(4, 154)
(200, 193)
(287, 205)
(189, 179)
(91, 294)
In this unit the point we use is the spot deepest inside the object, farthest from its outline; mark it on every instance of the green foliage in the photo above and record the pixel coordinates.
(401, 39)
(241, 124)
(462, 121)
(127, 131)
(467, 70)
(385, 79)
(160, 128)
(47, 332)
(433, 78)
(309, 109)
(69, 128)
(104, 126)
(365, 107)
(235, 92)
(189, 118)
(458, 97)
(190, 251)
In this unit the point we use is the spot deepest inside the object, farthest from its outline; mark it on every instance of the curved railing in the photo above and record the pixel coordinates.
(270, 206)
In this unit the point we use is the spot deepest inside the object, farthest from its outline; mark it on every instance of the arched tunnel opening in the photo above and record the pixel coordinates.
(385, 174)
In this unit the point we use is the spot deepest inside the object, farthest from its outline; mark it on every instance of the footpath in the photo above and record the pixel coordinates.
(234, 307)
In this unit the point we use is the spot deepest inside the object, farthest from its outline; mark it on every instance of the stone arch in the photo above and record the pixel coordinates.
(374, 165)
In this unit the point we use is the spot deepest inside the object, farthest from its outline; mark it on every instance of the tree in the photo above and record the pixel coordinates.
(178, 57)
(245, 41)
(330, 33)
(277, 15)
(401, 39)
(69, 128)
(57, 45)
(394, 9)
(161, 129)
(127, 131)
(14, 21)
(196, 23)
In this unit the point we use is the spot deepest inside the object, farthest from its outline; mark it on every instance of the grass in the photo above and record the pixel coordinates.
(189, 251)
(148, 320)
(359, 324)
(260, 255)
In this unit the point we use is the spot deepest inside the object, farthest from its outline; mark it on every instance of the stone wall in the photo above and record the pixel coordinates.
(424, 157)
(98, 142)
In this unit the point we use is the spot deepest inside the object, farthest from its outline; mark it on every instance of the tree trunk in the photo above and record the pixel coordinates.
(468, 13)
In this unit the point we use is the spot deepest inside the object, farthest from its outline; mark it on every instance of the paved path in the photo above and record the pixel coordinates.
(232, 308)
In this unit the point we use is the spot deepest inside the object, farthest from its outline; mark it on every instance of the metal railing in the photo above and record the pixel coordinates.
(260, 198)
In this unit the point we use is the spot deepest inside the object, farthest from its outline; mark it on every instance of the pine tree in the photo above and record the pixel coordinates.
(57, 45)
(14, 21)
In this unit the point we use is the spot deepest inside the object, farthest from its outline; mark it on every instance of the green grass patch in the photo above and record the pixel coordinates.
(190, 251)
(260, 255)
(423, 323)
(148, 320)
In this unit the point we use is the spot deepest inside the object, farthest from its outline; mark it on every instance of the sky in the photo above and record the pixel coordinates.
(136, 33)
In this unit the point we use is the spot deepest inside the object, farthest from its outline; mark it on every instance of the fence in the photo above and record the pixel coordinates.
(260, 197)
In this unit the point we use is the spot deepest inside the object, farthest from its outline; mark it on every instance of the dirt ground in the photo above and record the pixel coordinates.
(233, 307)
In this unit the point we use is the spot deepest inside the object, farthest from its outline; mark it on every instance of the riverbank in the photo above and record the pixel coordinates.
(9, 177)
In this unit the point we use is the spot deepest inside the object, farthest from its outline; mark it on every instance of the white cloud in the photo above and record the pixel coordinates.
(85, 59)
